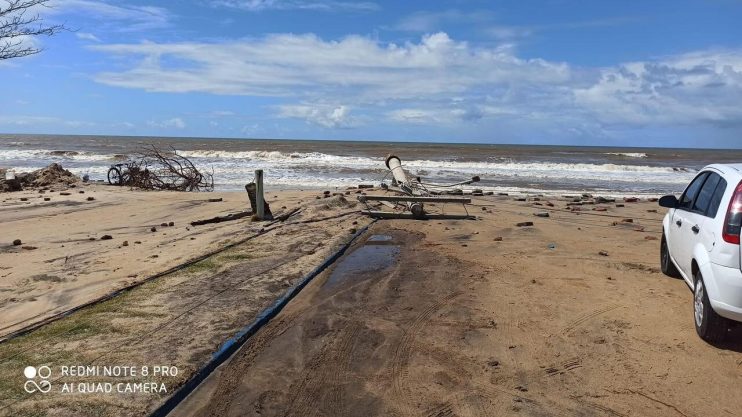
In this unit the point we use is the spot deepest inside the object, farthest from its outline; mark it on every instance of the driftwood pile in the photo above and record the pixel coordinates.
(159, 169)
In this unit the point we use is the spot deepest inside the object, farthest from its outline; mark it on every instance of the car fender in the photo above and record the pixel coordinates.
(701, 256)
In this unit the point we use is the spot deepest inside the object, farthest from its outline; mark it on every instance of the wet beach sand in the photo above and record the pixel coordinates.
(568, 316)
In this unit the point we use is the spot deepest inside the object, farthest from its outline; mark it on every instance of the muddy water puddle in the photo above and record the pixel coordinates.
(378, 253)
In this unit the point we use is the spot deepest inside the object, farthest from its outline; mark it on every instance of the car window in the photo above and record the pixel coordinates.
(721, 188)
(686, 200)
(707, 191)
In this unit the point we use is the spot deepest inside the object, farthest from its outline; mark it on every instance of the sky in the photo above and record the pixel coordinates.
(552, 72)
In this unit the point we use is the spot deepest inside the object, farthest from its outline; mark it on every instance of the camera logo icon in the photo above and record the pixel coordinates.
(37, 379)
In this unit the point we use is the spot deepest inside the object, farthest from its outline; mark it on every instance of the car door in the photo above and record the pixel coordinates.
(681, 236)
(702, 218)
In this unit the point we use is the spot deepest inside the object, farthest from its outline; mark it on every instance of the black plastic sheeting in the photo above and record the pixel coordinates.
(233, 344)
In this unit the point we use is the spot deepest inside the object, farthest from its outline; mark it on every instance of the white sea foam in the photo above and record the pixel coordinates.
(52, 155)
(232, 169)
(628, 154)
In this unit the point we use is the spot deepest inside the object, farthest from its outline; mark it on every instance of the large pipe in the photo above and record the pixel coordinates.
(395, 165)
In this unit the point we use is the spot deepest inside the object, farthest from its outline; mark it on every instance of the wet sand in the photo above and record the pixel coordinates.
(461, 323)
(569, 316)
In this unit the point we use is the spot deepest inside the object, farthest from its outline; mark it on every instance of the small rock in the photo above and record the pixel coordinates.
(125, 243)
(521, 388)
(524, 224)
(653, 200)
(652, 211)
(163, 224)
(171, 224)
(352, 231)
(484, 208)
(17, 242)
(498, 239)
(81, 192)
(464, 245)
(326, 193)
(106, 237)
(354, 223)
(627, 221)
(493, 363)
(620, 205)
(24, 198)
(29, 247)
(630, 200)
(64, 193)
(603, 253)
(600, 209)
(544, 214)
(609, 278)
(91, 199)
(317, 197)
(533, 281)
(365, 186)
(520, 199)
(47, 199)
(155, 256)
(153, 229)
(215, 200)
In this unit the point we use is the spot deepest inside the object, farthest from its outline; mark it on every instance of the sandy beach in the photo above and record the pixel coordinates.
(569, 316)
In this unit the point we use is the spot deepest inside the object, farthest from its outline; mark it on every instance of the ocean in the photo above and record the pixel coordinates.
(302, 164)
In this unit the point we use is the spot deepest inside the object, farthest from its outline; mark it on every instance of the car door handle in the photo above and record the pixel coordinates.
(695, 229)
(679, 223)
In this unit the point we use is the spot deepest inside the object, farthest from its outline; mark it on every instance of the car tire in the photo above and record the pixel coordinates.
(668, 268)
(710, 326)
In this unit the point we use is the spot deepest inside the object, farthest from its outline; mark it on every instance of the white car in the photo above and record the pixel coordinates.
(701, 244)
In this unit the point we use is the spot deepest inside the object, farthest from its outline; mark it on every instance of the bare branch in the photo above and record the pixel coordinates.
(16, 25)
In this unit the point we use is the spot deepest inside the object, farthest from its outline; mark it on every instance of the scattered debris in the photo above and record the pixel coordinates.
(219, 219)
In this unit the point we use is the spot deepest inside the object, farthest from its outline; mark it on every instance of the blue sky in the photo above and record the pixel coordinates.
(621, 73)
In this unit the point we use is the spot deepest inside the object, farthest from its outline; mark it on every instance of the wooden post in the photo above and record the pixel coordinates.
(259, 199)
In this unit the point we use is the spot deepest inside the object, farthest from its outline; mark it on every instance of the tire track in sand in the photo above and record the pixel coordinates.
(403, 353)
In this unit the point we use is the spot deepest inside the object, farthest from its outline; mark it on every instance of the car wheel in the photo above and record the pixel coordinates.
(668, 268)
(710, 326)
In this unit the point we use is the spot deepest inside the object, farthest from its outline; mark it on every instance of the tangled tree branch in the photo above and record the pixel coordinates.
(16, 26)
(157, 169)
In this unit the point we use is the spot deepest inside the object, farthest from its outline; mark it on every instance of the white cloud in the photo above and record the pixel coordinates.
(87, 36)
(433, 21)
(697, 87)
(287, 64)
(174, 123)
(322, 115)
(126, 17)
(318, 5)
(438, 80)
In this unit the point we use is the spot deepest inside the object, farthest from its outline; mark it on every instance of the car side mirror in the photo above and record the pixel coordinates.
(669, 201)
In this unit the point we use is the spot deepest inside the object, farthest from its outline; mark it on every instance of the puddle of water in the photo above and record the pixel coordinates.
(367, 258)
(379, 239)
